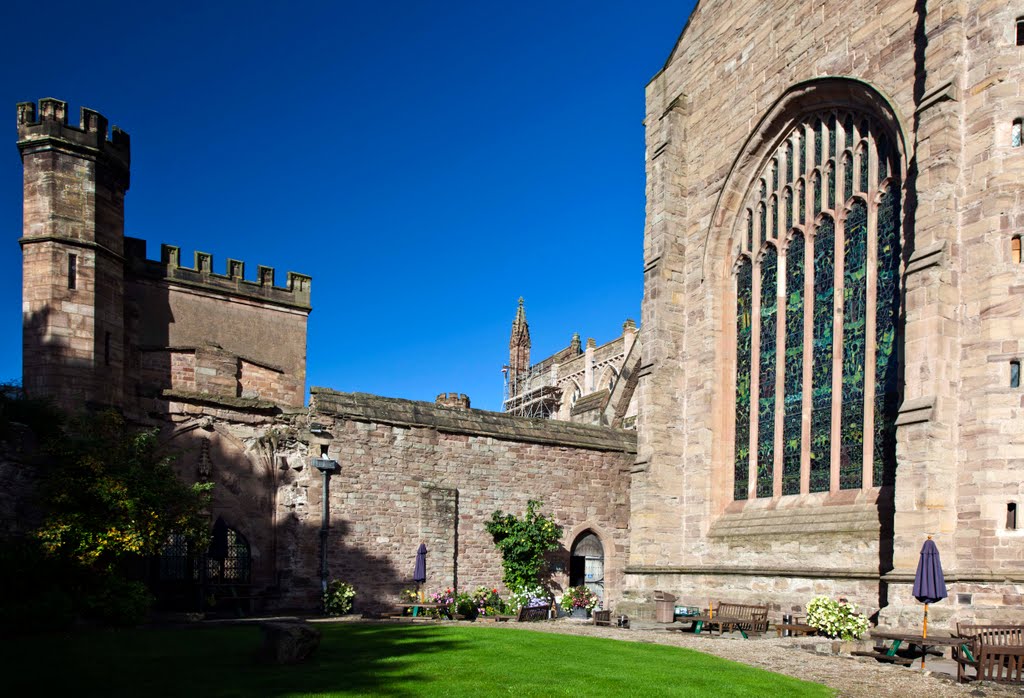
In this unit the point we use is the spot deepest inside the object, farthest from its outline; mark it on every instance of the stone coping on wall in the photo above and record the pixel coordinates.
(755, 571)
(362, 407)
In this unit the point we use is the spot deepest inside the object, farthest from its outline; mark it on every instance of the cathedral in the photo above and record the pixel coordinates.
(826, 371)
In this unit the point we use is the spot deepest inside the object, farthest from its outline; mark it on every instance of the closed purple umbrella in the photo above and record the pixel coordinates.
(419, 573)
(929, 584)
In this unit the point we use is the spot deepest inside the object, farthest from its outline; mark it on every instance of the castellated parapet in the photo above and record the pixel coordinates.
(47, 128)
(296, 293)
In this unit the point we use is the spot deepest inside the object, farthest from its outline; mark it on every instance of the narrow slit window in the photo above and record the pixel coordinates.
(323, 450)
(1011, 516)
(1020, 31)
(1015, 374)
(1015, 249)
(1015, 133)
(72, 271)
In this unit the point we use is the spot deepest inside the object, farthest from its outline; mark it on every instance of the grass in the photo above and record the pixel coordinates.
(373, 659)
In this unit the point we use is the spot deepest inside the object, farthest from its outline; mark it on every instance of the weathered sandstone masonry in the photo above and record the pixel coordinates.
(416, 472)
(937, 77)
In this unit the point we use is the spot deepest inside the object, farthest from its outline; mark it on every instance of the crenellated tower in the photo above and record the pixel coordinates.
(518, 351)
(75, 180)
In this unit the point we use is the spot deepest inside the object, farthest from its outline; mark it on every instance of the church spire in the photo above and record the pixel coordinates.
(518, 350)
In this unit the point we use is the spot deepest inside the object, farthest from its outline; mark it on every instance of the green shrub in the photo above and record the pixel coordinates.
(465, 606)
(338, 598)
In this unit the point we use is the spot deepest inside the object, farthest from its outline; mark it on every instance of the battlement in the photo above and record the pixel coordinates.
(452, 400)
(296, 293)
(47, 128)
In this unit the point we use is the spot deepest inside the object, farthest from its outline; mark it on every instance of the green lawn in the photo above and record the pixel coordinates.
(374, 659)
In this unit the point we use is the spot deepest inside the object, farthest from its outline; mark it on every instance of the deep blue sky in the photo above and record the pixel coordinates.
(425, 163)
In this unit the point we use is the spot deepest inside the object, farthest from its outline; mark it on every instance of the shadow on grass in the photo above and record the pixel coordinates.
(354, 659)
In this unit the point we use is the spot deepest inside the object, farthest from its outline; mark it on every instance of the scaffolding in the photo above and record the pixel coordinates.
(523, 399)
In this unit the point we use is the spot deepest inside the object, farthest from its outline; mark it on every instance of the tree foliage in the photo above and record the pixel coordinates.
(109, 499)
(523, 544)
(112, 493)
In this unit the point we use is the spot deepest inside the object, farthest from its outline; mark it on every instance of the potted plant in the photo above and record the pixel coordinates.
(579, 601)
(465, 607)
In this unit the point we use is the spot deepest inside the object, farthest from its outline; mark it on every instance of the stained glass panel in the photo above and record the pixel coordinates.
(855, 246)
(775, 217)
(832, 185)
(817, 193)
(886, 328)
(789, 208)
(744, 309)
(802, 198)
(792, 424)
(847, 176)
(766, 389)
(862, 156)
(821, 375)
(802, 141)
(789, 162)
(848, 129)
(750, 229)
(817, 142)
(761, 210)
(832, 136)
(883, 157)
(775, 175)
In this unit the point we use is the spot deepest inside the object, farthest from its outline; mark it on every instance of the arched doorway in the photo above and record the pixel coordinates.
(586, 563)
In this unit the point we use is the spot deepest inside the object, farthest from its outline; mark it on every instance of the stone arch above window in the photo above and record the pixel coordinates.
(814, 347)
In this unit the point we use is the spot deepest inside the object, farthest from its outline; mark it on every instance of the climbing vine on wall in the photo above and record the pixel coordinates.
(523, 542)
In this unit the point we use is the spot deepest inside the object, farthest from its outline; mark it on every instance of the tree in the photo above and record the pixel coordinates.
(523, 544)
(110, 499)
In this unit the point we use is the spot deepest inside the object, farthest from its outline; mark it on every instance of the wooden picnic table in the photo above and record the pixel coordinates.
(898, 639)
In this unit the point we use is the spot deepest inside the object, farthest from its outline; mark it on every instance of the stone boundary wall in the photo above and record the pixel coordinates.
(413, 472)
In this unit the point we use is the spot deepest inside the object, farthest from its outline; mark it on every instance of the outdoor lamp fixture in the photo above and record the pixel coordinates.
(327, 466)
(316, 428)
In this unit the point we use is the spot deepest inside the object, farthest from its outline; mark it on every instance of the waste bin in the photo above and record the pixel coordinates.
(665, 606)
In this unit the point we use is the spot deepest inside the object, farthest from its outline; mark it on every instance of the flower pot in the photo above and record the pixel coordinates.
(580, 613)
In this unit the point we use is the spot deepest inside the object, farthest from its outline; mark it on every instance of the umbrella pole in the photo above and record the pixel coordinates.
(924, 636)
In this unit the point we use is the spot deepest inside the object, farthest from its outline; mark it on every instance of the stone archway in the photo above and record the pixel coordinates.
(586, 563)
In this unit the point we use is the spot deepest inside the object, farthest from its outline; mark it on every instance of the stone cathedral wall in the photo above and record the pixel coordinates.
(943, 70)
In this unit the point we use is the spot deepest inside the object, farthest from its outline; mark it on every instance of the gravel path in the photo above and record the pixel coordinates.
(855, 677)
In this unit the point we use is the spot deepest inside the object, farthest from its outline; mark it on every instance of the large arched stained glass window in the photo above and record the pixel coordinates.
(828, 248)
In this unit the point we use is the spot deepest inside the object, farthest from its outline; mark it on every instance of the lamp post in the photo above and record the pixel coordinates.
(327, 466)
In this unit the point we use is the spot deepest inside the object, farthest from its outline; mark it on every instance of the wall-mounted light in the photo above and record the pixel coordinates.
(317, 428)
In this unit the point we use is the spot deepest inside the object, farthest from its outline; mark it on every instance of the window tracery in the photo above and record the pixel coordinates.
(835, 327)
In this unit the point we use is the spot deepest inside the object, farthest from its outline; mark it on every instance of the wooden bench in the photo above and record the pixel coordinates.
(747, 619)
(995, 652)
(602, 618)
